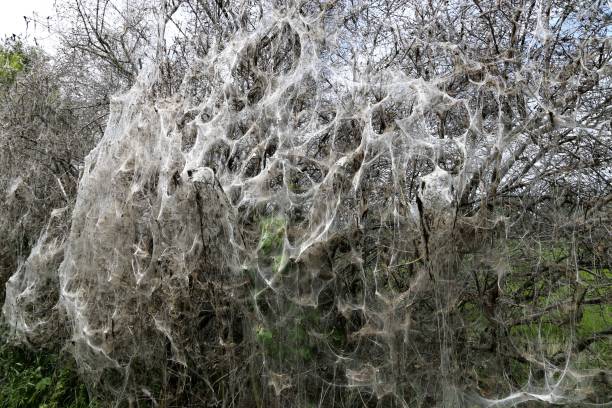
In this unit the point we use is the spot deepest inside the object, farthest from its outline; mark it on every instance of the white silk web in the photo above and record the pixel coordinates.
(288, 229)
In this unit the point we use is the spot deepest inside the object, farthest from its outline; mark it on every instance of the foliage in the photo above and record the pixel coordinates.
(13, 60)
(272, 235)
(292, 341)
(41, 379)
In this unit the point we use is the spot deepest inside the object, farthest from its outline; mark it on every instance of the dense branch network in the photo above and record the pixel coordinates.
(341, 203)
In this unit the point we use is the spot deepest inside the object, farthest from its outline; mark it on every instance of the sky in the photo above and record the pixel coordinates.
(12, 21)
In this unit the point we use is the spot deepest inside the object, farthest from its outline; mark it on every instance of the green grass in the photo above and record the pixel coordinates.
(39, 379)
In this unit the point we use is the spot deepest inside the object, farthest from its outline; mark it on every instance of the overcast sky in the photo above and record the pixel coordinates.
(12, 22)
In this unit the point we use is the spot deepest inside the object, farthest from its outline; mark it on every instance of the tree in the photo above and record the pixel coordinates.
(45, 133)
(343, 203)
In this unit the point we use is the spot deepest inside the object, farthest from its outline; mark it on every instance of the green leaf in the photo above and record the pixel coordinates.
(264, 336)
(43, 384)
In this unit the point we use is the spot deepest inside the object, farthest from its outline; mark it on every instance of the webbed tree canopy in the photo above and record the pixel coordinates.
(317, 204)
